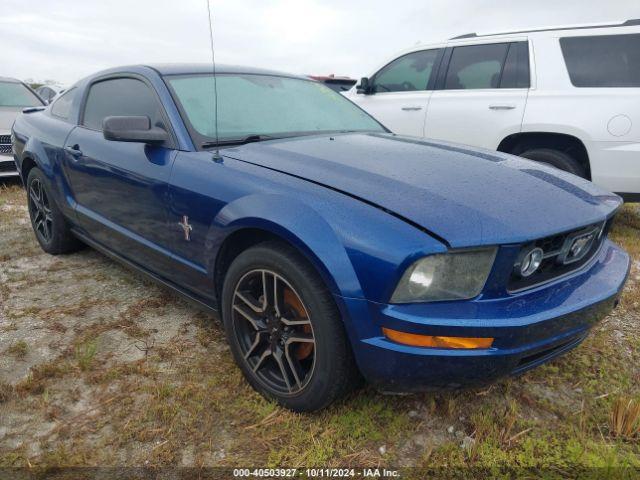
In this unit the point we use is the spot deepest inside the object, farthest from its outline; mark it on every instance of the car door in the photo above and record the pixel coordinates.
(400, 92)
(480, 95)
(121, 188)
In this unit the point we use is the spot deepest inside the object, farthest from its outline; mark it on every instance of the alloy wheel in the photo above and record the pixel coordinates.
(274, 331)
(40, 209)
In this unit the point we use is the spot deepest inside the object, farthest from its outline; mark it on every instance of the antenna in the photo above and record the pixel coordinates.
(216, 155)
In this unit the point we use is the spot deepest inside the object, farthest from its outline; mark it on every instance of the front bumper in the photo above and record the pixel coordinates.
(529, 328)
(8, 166)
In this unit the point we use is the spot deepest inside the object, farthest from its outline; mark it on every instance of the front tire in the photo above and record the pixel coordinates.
(49, 225)
(284, 329)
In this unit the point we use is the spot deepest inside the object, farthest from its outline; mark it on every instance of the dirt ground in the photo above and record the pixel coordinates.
(99, 367)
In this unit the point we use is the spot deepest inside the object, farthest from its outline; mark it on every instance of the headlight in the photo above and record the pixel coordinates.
(447, 276)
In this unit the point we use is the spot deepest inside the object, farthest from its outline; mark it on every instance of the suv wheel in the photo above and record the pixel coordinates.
(49, 225)
(555, 158)
(284, 329)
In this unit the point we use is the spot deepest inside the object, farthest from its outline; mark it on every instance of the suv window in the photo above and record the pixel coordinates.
(603, 60)
(61, 108)
(476, 66)
(515, 73)
(408, 73)
(119, 97)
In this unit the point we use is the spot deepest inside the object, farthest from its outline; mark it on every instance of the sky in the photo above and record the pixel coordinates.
(65, 40)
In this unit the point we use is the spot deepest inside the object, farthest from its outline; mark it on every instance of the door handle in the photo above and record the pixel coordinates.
(411, 109)
(502, 107)
(74, 151)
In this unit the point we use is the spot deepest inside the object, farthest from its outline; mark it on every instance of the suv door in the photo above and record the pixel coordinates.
(480, 94)
(400, 92)
(121, 188)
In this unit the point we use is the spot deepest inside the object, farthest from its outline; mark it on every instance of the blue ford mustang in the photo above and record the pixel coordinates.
(331, 247)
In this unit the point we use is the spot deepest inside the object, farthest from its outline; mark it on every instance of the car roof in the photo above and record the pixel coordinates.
(9, 80)
(203, 68)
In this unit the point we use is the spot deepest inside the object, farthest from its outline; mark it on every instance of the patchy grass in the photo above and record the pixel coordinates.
(131, 375)
(18, 349)
(85, 354)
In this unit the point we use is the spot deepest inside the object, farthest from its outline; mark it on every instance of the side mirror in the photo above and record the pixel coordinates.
(365, 86)
(132, 129)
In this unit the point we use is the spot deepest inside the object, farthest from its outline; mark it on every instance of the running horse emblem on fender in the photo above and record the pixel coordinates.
(186, 228)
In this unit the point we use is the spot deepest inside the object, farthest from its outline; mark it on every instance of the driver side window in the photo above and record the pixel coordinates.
(408, 73)
(121, 97)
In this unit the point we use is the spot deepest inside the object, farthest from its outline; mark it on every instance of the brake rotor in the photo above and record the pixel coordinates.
(291, 300)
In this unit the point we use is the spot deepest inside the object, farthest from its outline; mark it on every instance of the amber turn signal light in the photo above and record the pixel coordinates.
(436, 341)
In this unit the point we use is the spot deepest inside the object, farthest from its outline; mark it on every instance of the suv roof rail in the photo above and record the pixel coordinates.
(466, 35)
(626, 23)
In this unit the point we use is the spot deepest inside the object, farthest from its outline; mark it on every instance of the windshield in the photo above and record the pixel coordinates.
(14, 94)
(265, 105)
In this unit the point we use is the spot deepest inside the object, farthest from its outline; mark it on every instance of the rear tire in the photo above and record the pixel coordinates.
(555, 158)
(262, 339)
(49, 225)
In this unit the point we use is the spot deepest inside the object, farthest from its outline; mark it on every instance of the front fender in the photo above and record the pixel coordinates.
(298, 224)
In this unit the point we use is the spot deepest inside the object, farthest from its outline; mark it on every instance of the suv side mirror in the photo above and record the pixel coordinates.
(132, 129)
(365, 86)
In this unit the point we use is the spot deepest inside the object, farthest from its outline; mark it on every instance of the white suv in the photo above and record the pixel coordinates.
(567, 96)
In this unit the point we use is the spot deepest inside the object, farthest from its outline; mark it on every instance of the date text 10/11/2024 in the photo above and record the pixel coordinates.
(316, 473)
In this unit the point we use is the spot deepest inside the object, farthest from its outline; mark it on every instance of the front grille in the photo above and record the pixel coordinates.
(556, 262)
(7, 167)
(5, 144)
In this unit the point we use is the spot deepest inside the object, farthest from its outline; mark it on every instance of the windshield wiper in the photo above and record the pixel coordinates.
(237, 141)
(226, 142)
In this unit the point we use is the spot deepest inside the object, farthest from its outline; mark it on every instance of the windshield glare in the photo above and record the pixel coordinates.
(265, 105)
(17, 95)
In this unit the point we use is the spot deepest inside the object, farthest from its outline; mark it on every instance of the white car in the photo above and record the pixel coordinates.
(14, 97)
(568, 96)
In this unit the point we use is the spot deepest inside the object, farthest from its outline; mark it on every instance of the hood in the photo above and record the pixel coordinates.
(8, 115)
(467, 197)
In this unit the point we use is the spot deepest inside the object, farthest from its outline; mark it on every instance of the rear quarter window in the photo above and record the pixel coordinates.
(603, 60)
(61, 108)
